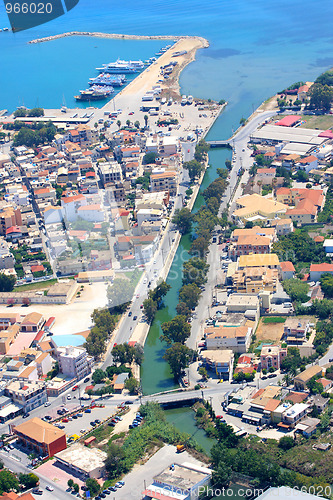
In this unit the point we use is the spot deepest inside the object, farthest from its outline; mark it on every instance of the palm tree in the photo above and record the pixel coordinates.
(118, 124)
(259, 183)
(128, 122)
(146, 120)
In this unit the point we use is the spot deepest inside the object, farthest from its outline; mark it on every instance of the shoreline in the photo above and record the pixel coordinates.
(118, 36)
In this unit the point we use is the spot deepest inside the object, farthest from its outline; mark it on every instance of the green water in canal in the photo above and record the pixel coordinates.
(183, 419)
(155, 372)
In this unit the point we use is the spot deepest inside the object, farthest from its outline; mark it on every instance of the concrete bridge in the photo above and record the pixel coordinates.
(174, 399)
(219, 144)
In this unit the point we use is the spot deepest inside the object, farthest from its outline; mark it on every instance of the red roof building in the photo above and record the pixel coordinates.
(289, 121)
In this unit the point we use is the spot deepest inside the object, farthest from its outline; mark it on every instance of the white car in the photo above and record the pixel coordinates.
(49, 488)
(47, 403)
(69, 397)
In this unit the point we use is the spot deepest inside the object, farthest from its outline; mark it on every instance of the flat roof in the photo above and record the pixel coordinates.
(301, 135)
(86, 459)
(296, 148)
(182, 476)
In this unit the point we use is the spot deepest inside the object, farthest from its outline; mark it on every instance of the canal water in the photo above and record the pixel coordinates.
(155, 372)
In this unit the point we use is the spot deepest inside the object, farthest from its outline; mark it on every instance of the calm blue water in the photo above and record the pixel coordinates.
(257, 47)
(63, 340)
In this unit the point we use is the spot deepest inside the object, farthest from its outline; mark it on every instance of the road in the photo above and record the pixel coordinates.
(15, 466)
(153, 269)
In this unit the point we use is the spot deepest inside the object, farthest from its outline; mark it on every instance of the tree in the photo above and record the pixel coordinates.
(159, 292)
(195, 271)
(93, 486)
(124, 353)
(176, 330)
(26, 301)
(286, 442)
(7, 283)
(190, 294)
(183, 220)
(321, 96)
(138, 354)
(149, 158)
(137, 124)
(118, 124)
(297, 289)
(146, 120)
(183, 309)
(326, 283)
(98, 376)
(114, 460)
(199, 246)
(70, 483)
(314, 386)
(120, 293)
(150, 309)
(194, 168)
(8, 481)
(128, 122)
(301, 176)
(104, 320)
(203, 373)
(221, 476)
(178, 356)
(76, 487)
(132, 385)
(28, 480)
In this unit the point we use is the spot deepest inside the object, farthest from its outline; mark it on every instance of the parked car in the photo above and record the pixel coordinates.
(69, 397)
(86, 379)
(47, 404)
(75, 387)
(87, 410)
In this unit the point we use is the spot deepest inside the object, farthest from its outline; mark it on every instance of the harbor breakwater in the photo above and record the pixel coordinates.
(118, 36)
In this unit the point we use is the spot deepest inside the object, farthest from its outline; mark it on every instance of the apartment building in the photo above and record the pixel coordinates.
(164, 181)
(74, 362)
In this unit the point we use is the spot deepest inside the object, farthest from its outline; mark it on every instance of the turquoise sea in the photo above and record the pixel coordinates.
(256, 48)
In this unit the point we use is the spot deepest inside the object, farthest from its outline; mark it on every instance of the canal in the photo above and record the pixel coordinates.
(155, 373)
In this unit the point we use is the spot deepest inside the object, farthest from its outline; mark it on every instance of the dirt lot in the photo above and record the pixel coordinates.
(269, 331)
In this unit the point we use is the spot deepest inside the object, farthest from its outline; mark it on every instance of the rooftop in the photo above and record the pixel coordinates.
(40, 431)
(87, 459)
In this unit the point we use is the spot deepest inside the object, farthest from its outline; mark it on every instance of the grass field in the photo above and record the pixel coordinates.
(42, 285)
(274, 319)
(320, 122)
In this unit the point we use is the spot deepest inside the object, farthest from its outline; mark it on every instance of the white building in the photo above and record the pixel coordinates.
(227, 337)
(294, 414)
(91, 213)
(74, 362)
(149, 214)
(28, 393)
(110, 172)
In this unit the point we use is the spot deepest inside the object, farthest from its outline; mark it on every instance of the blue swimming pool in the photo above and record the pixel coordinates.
(63, 340)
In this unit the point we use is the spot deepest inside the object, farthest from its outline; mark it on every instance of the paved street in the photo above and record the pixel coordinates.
(141, 476)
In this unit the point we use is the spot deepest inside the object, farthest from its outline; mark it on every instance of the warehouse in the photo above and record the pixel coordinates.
(274, 134)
